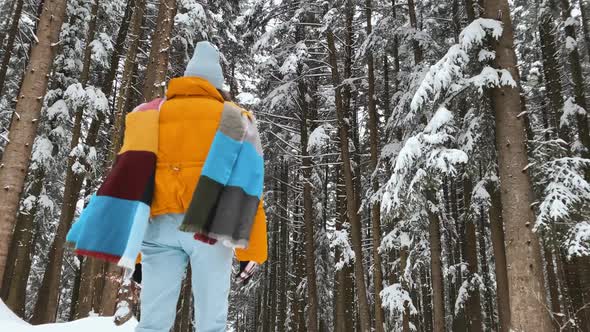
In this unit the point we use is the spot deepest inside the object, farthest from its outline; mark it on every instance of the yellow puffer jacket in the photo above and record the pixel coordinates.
(188, 121)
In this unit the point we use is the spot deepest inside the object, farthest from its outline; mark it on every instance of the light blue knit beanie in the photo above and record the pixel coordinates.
(205, 64)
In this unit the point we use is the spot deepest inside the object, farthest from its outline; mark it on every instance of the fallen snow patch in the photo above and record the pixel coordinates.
(11, 322)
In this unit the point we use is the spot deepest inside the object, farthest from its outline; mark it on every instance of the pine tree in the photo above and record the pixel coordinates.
(15, 159)
(525, 273)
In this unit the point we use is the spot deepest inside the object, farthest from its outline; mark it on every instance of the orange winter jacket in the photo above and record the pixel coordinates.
(188, 121)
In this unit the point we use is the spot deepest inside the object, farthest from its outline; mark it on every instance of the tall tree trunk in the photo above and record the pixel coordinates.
(473, 306)
(24, 237)
(113, 273)
(376, 207)
(48, 294)
(112, 282)
(583, 267)
(364, 317)
(577, 293)
(488, 299)
(578, 80)
(469, 10)
(308, 217)
(347, 271)
(454, 238)
(10, 43)
(154, 83)
(312, 299)
(551, 69)
(438, 298)
(9, 10)
(498, 244)
(23, 127)
(91, 267)
(350, 112)
(523, 256)
(585, 9)
(404, 283)
(553, 287)
(343, 298)
(272, 267)
(75, 292)
(418, 56)
(426, 299)
(284, 239)
(396, 61)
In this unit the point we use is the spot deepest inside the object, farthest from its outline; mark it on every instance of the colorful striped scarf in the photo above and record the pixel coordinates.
(224, 203)
(229, 190)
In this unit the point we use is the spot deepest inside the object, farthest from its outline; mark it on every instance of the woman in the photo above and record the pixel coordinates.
(193, 164)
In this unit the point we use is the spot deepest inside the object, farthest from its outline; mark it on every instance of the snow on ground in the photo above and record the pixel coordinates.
(9, 322)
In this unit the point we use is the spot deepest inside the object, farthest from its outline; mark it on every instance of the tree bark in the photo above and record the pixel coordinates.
(48, 294)
(376, 206)
(473, 306)
(75, 292)
(404, 283)
(10, 43)
(112, 283)
(553, 287)
(158, 59)
(418, 55)
(523, 256)
(23, 127)
(284, 240)
(272, 267)
(583, 271)
(344, 306)
(426, 299)
(364, 317)
(585, 9)
(551, 70)
(438, 298)
(9, 10)
(498, 244)
(114, 274)
(91, 266)
(24, 237)
(579, 297)
(308, 217)
(455, 245)
(578, 80)
(469, 10)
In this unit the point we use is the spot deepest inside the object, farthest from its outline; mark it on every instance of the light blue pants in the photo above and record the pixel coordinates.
(166, 252)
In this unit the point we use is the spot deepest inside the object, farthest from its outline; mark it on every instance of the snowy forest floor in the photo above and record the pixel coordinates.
(10, 322)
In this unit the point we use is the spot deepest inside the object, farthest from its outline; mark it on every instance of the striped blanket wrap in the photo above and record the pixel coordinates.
(224, 201)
